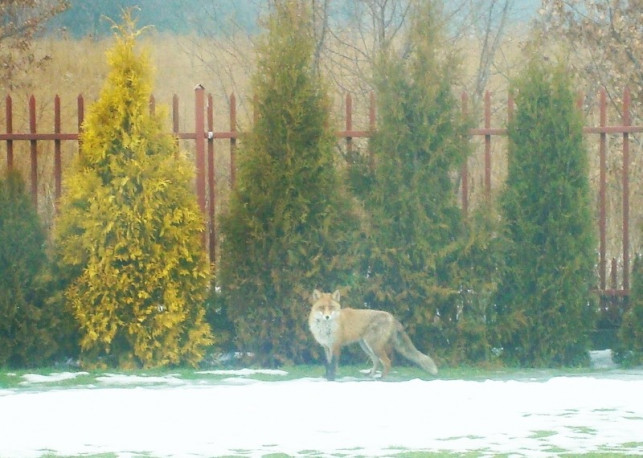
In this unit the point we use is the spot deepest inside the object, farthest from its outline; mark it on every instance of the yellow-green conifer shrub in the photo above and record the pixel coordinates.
(128, 236)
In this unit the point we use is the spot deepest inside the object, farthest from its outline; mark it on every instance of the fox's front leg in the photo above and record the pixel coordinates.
(327, 362)
(332, 359)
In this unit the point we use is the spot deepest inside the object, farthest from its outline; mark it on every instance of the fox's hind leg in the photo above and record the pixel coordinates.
(374, 359)
(386, 362)
(376, 342)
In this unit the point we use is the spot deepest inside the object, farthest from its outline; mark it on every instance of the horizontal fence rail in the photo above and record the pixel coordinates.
(204, 136)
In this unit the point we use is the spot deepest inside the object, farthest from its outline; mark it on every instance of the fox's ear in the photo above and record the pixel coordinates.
(316, 295)
(336, 296)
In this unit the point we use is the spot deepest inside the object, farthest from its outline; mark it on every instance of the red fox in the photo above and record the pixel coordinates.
(375, 330)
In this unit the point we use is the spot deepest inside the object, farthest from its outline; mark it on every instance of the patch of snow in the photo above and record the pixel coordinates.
(576, 414)
(124, 379)
(51, 378)
(378, 374)
(244, 372)
(231, 356)
(239, 381)
(602, 359)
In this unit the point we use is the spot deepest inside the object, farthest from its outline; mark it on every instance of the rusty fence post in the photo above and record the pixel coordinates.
(626, 189)
(33, 148)
(57, 152)
(211, 183)
(199, 132)
(487, 144)
(464, 173)
(9, 125)
(175, 124)
(349, 124)
(175, 115)
(602, 226)
(233, 139)
(371, 129)
(80, 103)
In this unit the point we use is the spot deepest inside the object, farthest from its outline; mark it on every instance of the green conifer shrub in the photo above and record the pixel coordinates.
(629, 349)
(26, 323)
(417, 231)
(289, 226)
(128, 238)
(480, 261)
(545, 310)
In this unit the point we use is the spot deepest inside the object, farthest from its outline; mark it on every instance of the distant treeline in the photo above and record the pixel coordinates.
(94, 17)
(207, 17)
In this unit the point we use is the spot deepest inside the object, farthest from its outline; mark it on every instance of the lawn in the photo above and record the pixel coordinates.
(293, 411)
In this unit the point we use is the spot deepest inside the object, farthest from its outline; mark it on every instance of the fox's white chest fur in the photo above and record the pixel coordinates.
(324, 329)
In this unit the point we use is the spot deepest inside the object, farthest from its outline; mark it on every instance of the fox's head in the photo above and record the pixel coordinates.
(325, 305)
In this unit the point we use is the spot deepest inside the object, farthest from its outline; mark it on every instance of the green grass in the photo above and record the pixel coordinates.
(543, 434)
(15, 379)
(583, 430)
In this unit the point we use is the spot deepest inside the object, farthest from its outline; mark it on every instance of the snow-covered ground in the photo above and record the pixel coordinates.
(237, 414)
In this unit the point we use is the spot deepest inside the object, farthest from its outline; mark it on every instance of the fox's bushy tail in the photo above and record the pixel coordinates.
(402, 343)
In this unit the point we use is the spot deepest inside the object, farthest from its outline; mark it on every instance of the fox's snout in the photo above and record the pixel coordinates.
(326, 315)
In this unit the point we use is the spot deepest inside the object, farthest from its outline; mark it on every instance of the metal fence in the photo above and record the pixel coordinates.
(204, 136)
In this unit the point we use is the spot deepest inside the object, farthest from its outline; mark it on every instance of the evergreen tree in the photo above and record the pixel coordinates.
(128, 237)
(288, 228)
(629, 349)
(416, 223)
(480, 260)
(25, 322)
(544, 306)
